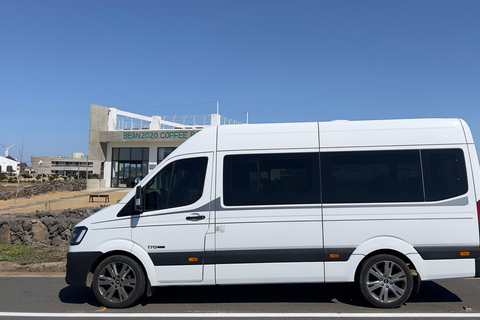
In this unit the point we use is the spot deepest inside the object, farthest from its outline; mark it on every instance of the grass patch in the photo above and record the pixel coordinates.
(28, 255)
(12, 253)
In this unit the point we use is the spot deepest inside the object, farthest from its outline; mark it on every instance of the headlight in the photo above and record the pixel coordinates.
(77, 235)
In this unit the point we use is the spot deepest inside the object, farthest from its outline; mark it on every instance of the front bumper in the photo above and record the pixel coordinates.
(79, 264)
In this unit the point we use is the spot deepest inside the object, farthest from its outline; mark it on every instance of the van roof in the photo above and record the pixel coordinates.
(342, 134)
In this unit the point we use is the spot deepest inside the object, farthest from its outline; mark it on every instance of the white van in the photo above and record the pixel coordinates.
(384, 204)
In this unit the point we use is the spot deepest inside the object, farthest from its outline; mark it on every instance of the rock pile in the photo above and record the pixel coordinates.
(42, 227)
(69, 185)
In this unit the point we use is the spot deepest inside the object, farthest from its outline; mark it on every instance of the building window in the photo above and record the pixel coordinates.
(129, 166)
(163, 152)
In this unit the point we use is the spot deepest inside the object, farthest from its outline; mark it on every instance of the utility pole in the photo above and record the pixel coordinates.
(86, 175)
(217, 106)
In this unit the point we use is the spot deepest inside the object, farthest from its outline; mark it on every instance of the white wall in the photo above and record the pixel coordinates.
(5, 162)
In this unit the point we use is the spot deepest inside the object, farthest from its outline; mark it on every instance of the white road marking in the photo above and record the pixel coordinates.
(239, 315)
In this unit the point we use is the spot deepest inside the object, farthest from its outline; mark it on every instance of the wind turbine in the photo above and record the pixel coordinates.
(7, 149)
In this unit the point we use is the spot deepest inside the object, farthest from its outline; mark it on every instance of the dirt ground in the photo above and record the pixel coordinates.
(60, 200)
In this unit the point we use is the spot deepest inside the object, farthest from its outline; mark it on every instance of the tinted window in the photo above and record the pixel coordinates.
(371, 176)
(445, 174)
(269, 179)
(178, 184)
(136, 154)
(163, 152)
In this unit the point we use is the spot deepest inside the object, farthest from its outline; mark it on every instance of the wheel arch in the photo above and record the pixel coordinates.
(386, 245)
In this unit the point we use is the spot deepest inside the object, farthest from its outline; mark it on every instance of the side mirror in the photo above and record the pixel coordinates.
(139, 200)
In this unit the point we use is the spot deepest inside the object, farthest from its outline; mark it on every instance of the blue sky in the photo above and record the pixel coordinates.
(281, 61)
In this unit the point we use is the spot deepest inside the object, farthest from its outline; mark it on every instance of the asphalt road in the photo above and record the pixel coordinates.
(51, 298)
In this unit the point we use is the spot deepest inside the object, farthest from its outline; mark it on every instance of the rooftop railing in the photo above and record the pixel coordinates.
(169, 122)
(131, 123)
(188, 121)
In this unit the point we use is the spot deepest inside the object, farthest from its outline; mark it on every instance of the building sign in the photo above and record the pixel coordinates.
(158, 135)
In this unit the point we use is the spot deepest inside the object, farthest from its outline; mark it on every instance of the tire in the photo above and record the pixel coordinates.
(118, 282)
(385, 281)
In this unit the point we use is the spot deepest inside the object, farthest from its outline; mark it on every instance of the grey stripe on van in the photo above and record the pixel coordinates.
(251, 256)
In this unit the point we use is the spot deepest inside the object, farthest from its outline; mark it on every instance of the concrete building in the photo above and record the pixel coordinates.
(61, 165)
(124, 146)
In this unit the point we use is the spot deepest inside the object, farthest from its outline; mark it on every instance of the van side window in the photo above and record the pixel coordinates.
(178, 184)
(445, 173)
(270, 179)
(371, 176)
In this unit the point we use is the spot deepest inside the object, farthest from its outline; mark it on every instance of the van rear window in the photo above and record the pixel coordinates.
(445, 174)
(393, 176)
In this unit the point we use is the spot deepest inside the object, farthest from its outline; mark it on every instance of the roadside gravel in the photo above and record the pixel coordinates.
(50, 269)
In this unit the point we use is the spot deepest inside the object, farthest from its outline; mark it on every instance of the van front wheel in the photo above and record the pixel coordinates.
(385, 281)
(118, 282)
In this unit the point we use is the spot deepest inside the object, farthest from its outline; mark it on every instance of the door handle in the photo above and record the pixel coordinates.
(195, 217)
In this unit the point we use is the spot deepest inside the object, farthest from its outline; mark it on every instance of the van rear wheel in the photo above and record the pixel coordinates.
(385, 281)
(118, 282)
